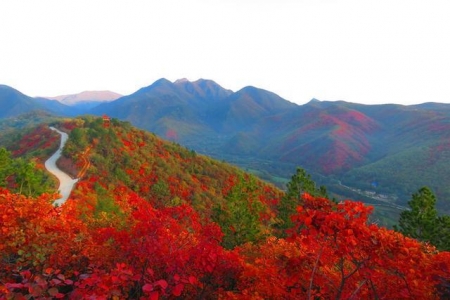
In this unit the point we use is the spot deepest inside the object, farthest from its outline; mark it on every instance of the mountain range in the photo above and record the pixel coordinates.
(86, 99)
(151, 219)
(385, 152)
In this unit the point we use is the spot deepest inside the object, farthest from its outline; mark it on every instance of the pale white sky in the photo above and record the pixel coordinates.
(379, 51)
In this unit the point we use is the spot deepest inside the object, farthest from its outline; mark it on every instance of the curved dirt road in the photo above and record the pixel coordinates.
(66, 183)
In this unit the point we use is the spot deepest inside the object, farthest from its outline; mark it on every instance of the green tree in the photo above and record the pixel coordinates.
(422, 222)
(105, 204)
(161, 192)
(29, 179)
(419, 222)
(300, 183)
(238, 216)
(442, 240)
(78, 137)
(5, 166)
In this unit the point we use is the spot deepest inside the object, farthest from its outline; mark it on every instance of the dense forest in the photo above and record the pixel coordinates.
(150, 219)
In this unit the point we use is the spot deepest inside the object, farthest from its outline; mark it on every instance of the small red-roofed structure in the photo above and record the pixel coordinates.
(106, 121)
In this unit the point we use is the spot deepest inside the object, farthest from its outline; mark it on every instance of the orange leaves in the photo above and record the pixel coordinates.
(170, 252)
(333, 253)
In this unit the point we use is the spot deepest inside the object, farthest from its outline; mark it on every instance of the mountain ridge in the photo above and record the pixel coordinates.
(151, 219)
(86, 96)
(255, 128)
(14, 103)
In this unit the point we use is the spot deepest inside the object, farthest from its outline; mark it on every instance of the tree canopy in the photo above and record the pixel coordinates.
(300, 183)
(422, 222)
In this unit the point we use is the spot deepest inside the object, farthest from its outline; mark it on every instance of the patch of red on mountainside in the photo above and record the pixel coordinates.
(41, 137)
(171, 135)
(340, 156)
(68, 126)
(441, 129)
(358, 119)
(321, 124)
(350, 146)
(440, 126)
(437, 151)
(340, 123)
(330, 155)
(337, 142)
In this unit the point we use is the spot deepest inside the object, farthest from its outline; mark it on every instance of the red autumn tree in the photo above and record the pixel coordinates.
(332, 253)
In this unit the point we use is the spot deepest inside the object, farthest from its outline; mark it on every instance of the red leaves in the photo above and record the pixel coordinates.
(39, 138)
(147, 288)
(161, 283)
(53, 292)
(174, 252)
(178, 289)
(159, 288)
(192, 280)
(154, 295)
(332, 253)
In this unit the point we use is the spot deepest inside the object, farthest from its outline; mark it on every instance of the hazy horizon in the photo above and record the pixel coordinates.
(357, 51)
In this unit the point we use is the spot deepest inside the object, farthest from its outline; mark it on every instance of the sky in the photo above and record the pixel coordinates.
(371, 52)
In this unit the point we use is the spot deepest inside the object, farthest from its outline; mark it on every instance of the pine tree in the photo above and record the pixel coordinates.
(422, 221)
(5, 166)
(419, 222)
(442, 240)
(238, 215)
(300, 183)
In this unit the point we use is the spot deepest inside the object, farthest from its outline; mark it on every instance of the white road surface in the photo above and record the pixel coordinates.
(66, 183)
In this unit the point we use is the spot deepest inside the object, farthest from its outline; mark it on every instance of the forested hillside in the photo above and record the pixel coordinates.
(150, 219)
(22, 162)
(389, 150)
(127, 160)
(375, 153)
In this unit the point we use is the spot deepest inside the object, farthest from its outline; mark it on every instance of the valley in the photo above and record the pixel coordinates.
(150, 218)
(224, 150)
(379, 149)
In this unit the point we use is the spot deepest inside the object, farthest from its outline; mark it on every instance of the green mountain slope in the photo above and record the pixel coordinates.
(14, 103)
(258, 130)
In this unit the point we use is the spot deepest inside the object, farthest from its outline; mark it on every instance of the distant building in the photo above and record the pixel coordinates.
(106, 121)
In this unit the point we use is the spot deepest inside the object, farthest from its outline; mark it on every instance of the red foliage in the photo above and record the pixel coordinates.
(330, 253)
(40, 137)
(161, 253)
(140, 248)
(171, 135)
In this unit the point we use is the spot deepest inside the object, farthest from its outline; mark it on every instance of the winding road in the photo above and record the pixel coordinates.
(66, 183)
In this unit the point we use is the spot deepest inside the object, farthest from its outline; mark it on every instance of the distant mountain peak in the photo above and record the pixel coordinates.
(255, 91)
(86, 96)
(181, 80)
(161, 81)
